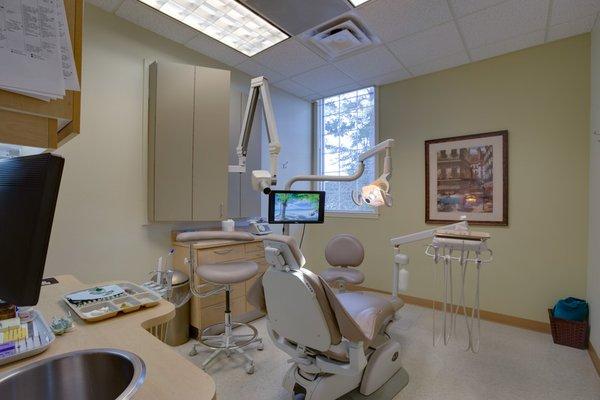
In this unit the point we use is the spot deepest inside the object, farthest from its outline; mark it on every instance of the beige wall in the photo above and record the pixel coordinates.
(541, 95)
(593, 275)
(99, 230)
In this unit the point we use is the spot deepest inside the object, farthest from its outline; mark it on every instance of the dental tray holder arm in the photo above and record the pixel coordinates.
(261, 180)
(401, 259)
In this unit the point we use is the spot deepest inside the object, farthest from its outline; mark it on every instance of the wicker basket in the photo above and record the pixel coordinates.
(569, 333)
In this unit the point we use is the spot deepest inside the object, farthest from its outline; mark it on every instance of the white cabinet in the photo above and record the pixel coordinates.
(188, 142)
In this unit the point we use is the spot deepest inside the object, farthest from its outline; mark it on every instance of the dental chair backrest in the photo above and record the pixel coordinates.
(296, 300)
(300, 305)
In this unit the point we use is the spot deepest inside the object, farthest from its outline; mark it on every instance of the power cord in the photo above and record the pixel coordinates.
(302, 237)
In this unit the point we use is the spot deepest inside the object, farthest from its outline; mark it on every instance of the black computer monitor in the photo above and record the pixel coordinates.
(28, 193)
(296, 207)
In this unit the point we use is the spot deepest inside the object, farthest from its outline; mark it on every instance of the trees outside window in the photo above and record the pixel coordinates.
(346, 126)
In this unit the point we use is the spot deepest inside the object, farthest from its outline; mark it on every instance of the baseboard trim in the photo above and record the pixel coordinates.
(518, 322)
(594, 357)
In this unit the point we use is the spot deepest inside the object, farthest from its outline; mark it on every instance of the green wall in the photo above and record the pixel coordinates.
(541, 96)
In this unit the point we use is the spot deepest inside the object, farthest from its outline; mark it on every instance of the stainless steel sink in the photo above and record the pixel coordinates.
(95, 374)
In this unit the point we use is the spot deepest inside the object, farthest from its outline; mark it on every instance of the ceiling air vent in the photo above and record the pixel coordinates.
(339, 38)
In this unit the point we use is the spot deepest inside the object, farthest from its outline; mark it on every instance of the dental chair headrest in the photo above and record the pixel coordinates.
(291, 243)
(344, 250)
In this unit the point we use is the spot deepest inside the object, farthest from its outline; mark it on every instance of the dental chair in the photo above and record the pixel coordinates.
(344, 252)
(337, 342)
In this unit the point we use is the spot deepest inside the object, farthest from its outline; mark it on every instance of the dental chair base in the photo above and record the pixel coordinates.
(382, 365)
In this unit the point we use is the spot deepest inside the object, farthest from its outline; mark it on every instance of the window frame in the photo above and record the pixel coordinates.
(317, 148)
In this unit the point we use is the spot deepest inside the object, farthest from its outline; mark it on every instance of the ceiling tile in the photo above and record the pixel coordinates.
(341, 89)
(453, 60)
(323, 78)
(255, 69)
(464, 7)
(147, 17)
(569, 10)
(571, 28)
(395, 76)
(509, 45)
(214, 49)
(106, 5)
(503, 21)
(289, 58)
(431, 44)
(294, 88)
(394, 19)
(370, 63)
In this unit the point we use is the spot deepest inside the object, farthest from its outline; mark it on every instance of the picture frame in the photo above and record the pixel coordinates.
(467, 175)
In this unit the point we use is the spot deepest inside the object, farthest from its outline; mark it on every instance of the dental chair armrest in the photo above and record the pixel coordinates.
(356, 365)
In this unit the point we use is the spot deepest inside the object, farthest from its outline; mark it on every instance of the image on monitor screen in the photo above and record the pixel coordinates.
(296, 207)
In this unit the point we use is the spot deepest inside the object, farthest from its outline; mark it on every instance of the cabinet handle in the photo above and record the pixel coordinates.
(221, 252)
(221, 209)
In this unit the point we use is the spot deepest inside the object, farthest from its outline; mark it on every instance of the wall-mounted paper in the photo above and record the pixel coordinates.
(36, 56)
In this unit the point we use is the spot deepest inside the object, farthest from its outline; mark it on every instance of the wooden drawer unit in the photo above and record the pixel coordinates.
(211, 310)
(237, 290)
(216, 314)
(220, 254)
(256, 249)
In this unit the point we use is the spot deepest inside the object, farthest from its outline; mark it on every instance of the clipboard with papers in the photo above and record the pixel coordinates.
(36, 53)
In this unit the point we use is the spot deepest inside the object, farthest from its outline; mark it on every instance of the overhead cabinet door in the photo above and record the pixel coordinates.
(188, 126)
(171, 123)
(211, 144)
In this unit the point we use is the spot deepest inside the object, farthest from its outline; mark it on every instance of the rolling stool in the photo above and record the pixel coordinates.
(343, 251)
(221, 277)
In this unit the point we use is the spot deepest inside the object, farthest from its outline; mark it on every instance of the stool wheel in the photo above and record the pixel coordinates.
(249, 367)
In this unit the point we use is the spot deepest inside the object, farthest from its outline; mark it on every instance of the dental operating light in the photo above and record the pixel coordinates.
(376, 193)
(227, 21)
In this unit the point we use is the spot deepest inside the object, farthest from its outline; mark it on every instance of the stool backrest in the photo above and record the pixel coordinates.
(197, 236)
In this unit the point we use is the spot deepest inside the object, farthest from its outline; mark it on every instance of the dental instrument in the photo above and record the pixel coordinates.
(262, 180)
(450, 243)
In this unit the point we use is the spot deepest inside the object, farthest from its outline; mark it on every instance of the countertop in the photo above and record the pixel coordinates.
(169, 375)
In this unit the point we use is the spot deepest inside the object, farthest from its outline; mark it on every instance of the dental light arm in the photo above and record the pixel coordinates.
(261, 180)
(360, 169)
(386, 146)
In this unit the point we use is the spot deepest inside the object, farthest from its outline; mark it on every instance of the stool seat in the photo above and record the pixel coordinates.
(227, 273)
(346, 275)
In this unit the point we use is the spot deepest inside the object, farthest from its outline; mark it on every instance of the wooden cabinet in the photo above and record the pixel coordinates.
(188, 134)
(210, 310)
(47, 124)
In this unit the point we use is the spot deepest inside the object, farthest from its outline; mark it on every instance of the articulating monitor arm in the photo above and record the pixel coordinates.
(261, 180)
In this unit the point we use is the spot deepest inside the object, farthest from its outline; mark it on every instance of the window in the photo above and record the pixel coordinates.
(346, 126)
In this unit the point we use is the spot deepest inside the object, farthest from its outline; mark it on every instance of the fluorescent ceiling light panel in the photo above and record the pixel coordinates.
(227, 21)
(357, 3)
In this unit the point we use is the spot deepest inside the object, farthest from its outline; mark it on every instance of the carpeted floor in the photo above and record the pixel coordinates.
(512, 364)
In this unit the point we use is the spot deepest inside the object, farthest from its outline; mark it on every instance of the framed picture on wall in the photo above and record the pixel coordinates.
(467, 175)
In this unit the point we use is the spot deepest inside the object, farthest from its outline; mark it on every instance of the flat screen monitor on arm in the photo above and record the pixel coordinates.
(296, 207)
(28, 193)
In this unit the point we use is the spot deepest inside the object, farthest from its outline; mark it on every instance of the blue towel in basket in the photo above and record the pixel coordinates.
(571, 309)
